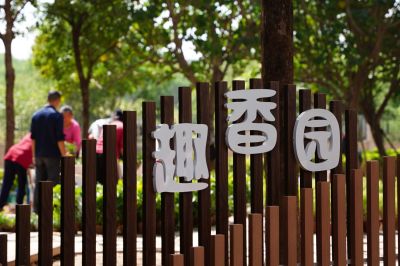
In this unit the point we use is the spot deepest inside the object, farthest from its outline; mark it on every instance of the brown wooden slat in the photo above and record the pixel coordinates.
(3, 250)
(373, 212)
(351, 153)
(203, 117)
(176, 260)
(67, 211)
(398, 207)
(239, 182)
(356, 217)
(197, 256)
(167, 199)
(290, 160)
(110, 196)
(185, 199)
(130, 180)
(255, 239)
(221, 166)
(89, 202)
(336, 107)
(22, 236)
(338, 201)
(304, 105)
(272, 235)
(275, 180)
(149, 196)
(256, 165)
(389, 168)
(323, 224)
(307, 226)
(45, 223)
(218, 250)
(320, 102)
(289, 222)
(236, 244)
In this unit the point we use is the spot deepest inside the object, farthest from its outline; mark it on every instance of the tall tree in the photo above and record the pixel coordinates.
(203, 40)
(351, 50)
(78, 37)
(11, 11)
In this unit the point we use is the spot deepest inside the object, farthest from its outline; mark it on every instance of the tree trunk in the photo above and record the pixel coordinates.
(85, 108)
(10, 78)
(374, 122)
(277, 65)
(277, 61)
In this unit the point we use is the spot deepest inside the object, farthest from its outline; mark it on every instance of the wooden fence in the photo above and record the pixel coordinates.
(279, 229)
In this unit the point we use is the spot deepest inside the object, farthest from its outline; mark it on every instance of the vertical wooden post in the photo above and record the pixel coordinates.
(398, 207)
(289, 222)
(129, 179)
(89, 202)
(109, 195)
(203, 117)
(176, 260)
(356, 217)
(289, 121)
(236, 245)
(218, 250)
(351, 162)
(255, 239)
(3, 249)
(22, 234)
(167, 199)
(272, 235)
(45, 223)
(323, 224)
(185, 199)
(320, 102)
(373, 212)
(307, 226)
(67, 211)
(221, 166)
(275, 180)
(239, 183)
(256, 165)
(197, 256)
(336, 108)
(304, 105)
(389, 164)
(338, 203)
(149, 196)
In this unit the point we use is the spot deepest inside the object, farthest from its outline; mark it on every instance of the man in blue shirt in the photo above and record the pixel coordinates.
(47, 142)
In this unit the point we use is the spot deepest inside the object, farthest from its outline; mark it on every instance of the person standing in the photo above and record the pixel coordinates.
(72, 130)
(47, 142)
(16, 162)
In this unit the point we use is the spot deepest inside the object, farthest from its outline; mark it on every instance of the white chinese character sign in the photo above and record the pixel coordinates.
(249, 103)
(187, 160)
(325, 143)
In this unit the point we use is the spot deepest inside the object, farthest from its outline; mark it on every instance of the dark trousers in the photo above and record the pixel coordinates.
(12, 169)
(47, 169)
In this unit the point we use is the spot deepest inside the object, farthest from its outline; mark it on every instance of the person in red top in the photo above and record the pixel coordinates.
(117, 121)
(16, 162)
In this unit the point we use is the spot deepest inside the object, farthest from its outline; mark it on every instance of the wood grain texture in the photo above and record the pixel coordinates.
(89, 202)
(289, 223)
(272, 235)
(185, 199)
(176, 260)
(3, 249)
(389, 168)
(167, 199)
(323, 224)
(149, 196)
(373, 212)
(129, 193)
(67, 211)
(22, 234)
(307, 226)
(255, 239)
(304, 105)
(203, 117)
(356, 217)
(45, 223)
(236, 245)
(338, 201)
(197, 256)
(218, 250)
